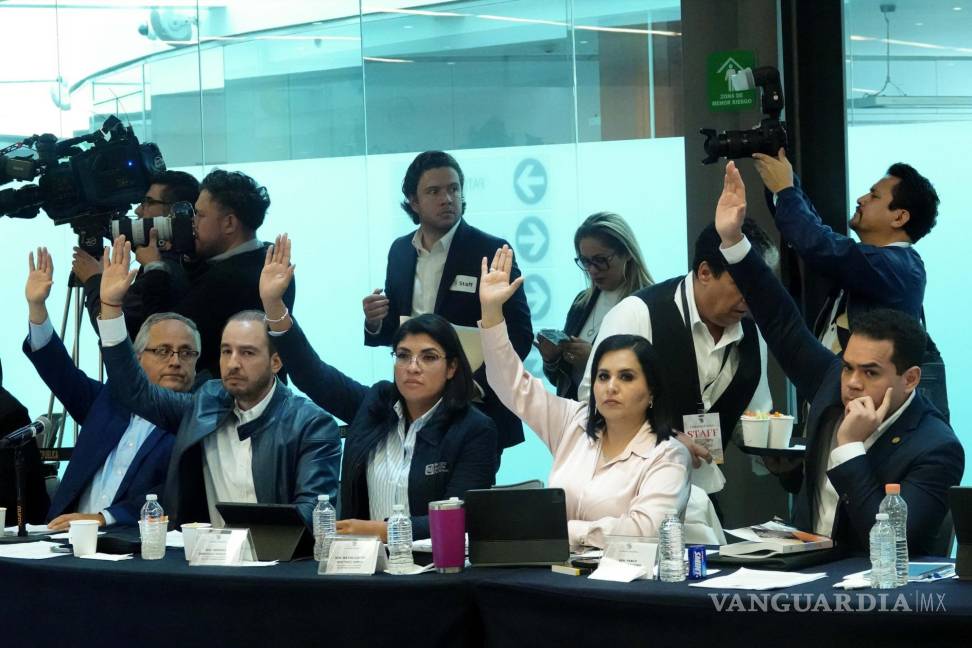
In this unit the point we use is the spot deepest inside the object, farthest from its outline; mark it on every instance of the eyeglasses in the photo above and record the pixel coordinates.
(165, 352)
(600, 262)
(425, 359)
(149, 201)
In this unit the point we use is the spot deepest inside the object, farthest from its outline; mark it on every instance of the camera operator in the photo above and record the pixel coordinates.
(230, 208)
(882, 271)
(162, 280)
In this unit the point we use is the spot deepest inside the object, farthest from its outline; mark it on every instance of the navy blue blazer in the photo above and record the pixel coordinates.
(919, 451)
(103, 422)
(873, 277)
(469, 246)
(454, 452)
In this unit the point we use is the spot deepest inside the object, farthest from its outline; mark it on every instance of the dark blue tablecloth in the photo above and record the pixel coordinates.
(164, 603)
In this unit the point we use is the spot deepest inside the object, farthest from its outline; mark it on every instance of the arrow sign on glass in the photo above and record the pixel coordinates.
(532, 239)
(538, 297)
(530, 181)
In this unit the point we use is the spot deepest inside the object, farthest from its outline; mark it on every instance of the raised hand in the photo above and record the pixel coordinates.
(118, 275)
(277, 273)
(40, 277)
(495, 288)
(776, 172)
(731, 209)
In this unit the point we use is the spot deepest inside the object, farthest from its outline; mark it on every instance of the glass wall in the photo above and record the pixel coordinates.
(909, 89)
(555, 108)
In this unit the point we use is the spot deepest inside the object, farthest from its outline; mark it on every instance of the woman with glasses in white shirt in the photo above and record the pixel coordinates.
(610, 257)
(411, 441)
(615, 456)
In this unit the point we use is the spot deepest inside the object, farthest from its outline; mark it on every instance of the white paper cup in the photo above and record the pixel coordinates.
(83, 536)
(3, 520)
(755, 431)
(780, 431)
(189, 531)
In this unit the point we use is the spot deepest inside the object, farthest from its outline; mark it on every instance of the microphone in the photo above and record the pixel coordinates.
(26, 433)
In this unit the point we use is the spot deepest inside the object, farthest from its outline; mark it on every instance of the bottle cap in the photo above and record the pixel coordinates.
(323, 498)
(881, 516)
(151, 497)
(892, 489)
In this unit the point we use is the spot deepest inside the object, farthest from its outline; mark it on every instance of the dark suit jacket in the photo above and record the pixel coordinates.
(454, 452)
(469, 246)
(103, 422)
(873, 277)
(296, 447)
(561, 373)
(919, 451)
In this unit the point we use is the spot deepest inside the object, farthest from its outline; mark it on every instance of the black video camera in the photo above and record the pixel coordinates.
(768, 137)
(84, 188)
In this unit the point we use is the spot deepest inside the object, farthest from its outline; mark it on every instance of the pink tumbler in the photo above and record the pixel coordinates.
(447, 524)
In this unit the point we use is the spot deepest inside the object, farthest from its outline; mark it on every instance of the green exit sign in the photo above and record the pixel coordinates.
(720, 67)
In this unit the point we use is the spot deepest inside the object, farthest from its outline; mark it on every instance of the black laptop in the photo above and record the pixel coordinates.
(517, 526)
(278, 531)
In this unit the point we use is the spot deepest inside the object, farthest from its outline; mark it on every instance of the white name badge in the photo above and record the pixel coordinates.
(705, 430)
(222, 547)
(361, 555)
(464, 283)
(635, 551)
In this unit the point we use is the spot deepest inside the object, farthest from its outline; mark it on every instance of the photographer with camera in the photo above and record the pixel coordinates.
(883, 270)
(162, 280)
(230, 208)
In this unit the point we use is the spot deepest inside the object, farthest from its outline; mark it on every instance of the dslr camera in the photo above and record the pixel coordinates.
(768, 137)
(175, 228)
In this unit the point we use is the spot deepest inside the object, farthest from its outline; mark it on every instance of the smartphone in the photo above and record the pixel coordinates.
(553, 336)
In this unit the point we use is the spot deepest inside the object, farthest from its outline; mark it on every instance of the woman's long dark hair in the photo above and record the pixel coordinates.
(459, 390)
(659, 414)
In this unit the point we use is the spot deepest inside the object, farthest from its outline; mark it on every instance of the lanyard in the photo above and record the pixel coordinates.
(688, 326)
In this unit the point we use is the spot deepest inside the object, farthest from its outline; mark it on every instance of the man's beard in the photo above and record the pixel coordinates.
(251, 389)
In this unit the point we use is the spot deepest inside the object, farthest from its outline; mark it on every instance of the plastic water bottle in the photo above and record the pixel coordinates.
(152, 527)
(897, 509)
(325, 527)
(882, 553)
(399, 540)
(671, 568)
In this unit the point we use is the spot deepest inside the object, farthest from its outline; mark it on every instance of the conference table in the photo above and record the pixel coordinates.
(73, 601)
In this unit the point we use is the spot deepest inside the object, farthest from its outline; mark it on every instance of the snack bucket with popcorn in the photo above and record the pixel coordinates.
(755, 427)
(780, 430)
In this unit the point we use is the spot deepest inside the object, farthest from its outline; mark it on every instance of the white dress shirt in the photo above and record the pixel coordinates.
(228, 460)
(827, 497)
(631, 316)
(247, 246)
(428, 270)
(389, 464)
(100, 492)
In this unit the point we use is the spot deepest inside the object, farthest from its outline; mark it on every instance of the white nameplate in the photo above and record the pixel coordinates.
(706, 430)
(222, 547)
(464, 283)
(639, 552)
(361, 555)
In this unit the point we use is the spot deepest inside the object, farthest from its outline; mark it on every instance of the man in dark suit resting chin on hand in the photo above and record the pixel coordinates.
(867, 425)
